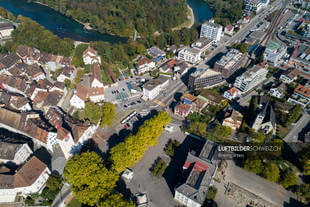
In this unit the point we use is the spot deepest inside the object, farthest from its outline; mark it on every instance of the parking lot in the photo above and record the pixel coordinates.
(157, 189)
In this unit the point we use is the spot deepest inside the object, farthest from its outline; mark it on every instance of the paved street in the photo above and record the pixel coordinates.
(292, 136)
(61, 196)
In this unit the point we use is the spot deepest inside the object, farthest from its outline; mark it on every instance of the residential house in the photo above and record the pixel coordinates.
(8, 62)
(89, 89)
(68, 72)
(16, 153)
(229, 29)
(202, 44)
(289, 75)
(91, 56)
(182, 109)
(29, 55)
(29, 179)
(197, 102)
(29, 124)
(6, 29)
(13, 84)
(198, 172)
(278, 92)
(300, 96)
(233, 120)
(144, 64)
(20, 103)
(153, 87)
(156, 53)
(231, 93)
(168, 65)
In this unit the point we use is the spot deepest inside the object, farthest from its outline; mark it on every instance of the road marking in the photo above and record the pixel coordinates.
(158, 102)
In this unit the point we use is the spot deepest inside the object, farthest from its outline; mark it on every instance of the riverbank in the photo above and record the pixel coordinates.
(189, 22)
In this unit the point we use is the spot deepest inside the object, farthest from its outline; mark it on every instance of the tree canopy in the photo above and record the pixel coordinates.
(95, 112)
(114, 17)
(34, 35)
(90, 180)
(271, 172)
(134, 146)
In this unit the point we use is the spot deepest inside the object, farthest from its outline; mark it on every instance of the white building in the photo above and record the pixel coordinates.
(12, 152)
(251, 78)
(144, 65)
(68, 72)
(231, 93)
(274, 52)
(6, 29)
(211, 30)
(278, 92)
(153, 87)
(90, 56)
(29, 179)
(191, 55)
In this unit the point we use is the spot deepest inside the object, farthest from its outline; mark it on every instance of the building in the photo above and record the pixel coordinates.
(6, 29)
(300, 96)
(91, 88)
(153, 87)
(182, 109)
(251, 78)
(202, 44)
(90, 56)
(14, 153)
(253, 6)
(301, 60)
(230, 63)
(8, 61)
(29, 179)
(289, 75)
(29, 124)
(197, 102)
(144, 64)
(198, 170)
(211, 30)
(68, 72)
(156, 53)
(229, 29)
(278, 92)
(274, 52)
(265, 120)
(203, 78)
(189, 54)
(231, 93)
(233, 120)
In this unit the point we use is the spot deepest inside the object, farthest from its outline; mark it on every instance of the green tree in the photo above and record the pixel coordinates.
(288, 179)
(244, 47)
(303, 191)
(108, 114)
(90, 181)
(93, 112)
(271, 172)
(115, 200)
(293, 115)
(54, 182)
(67, 83)
(198, 128)
(305, 160)
(254, 165)
(222, 131)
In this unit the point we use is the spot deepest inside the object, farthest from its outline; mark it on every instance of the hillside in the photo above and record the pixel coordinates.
(121, 17)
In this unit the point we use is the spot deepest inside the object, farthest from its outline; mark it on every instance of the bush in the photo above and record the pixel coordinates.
(211, 193)
(171, 147)
(159, 168)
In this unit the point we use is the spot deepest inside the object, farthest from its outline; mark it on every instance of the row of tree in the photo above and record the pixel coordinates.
(93, 183)
(134, 146)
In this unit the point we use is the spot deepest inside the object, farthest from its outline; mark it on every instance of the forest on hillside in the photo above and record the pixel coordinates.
(121, 17)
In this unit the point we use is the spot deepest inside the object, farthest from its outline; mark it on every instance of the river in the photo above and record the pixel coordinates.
(64, 26)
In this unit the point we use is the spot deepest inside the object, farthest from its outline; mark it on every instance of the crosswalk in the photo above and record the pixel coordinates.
(158, 102)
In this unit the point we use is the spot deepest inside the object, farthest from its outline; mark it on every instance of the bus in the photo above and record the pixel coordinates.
(132, 114)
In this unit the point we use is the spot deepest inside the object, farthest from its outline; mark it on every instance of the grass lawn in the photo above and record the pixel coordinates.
(281, 131)
(74, 203)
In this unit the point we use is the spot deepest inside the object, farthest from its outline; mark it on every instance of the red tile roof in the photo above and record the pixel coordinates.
(303, 90)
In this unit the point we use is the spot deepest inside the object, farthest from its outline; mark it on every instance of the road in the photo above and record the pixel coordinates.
(292, 136)
(61, 196)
